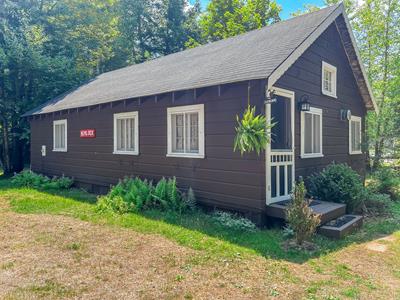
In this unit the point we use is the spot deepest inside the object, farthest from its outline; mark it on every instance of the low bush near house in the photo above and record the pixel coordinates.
(377, 204)
(386, 181)
(133, 195)
(34, 180)
(338, 183)
(233, 221)
(300, 217)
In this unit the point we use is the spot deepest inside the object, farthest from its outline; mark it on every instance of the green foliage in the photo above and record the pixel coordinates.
(377, 204)
(129, 195)
(224, 19)
(252, 132)
(338, 183)
(30, 179)
(190, 199)
(115, 203)
(386, 181)
(233, 221)
(300, 217)
(133, 195)
(168, 197)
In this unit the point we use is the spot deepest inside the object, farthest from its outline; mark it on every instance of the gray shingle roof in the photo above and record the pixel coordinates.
(253, 55)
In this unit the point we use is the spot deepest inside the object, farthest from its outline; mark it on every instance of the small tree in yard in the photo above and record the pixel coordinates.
(300, 217)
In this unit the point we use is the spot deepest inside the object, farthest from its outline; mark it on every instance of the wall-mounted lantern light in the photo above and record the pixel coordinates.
(345, 114)
(304, 104)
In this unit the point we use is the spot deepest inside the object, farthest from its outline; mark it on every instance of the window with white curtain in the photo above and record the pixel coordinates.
(311, 133)
(60, 135)
(355, 135)
(126, 133)
(186, 131)
(328, 80)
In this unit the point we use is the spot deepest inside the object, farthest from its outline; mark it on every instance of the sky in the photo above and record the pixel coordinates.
(288, 6)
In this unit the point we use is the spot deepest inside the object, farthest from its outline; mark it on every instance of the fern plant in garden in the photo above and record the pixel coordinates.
(168, 196)
(252, 132)
(133, 195)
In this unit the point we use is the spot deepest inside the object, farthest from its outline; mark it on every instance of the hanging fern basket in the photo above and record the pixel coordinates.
(252, 132)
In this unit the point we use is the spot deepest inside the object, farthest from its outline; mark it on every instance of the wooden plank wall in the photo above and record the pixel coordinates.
(304, 77)
(223, 178)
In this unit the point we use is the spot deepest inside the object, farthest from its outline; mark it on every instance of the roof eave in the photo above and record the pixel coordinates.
(285, 65)
(364, 73)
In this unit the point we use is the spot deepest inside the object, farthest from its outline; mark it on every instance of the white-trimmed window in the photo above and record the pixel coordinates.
(311, 133)
(355, 135)
(126, 133)
(60, 135)
(186, 131)
(328, 79)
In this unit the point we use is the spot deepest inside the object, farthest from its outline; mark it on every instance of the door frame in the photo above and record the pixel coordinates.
(291, 95)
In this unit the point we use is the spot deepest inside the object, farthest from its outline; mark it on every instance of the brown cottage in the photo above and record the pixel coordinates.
(176, 115)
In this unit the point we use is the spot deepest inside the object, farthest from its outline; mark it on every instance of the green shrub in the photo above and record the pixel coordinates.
(190, 199)
(129, 195)
(115, 203)
(233, 221)
(132, 195)
(30, 179)
(338, 183)
(386, 181)
(300, 216)
(377, 204)
(168, 197)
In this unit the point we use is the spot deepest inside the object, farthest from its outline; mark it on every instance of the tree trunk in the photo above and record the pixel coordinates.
(378, 154)
(6, 162)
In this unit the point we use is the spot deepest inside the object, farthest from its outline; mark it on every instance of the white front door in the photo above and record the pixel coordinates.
(280, 172)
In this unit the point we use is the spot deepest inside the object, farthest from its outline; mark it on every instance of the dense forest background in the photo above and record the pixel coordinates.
(50, 46)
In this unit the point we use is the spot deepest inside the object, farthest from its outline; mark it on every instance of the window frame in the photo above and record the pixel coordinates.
(315, 111)
(355, 119)
(127, 115)
(196, 108)
(65, 123)
(333, 70)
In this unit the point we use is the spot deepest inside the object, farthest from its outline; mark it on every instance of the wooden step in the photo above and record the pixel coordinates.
(341, 226)
(326, 210)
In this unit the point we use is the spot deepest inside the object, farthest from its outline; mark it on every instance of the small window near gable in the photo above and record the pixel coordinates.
(126, 133)
(186, 131)
(60, 135)
(311, 133)
(355, 135)
(328, 80)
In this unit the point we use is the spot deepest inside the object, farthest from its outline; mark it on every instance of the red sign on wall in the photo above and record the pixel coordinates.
(88, 133)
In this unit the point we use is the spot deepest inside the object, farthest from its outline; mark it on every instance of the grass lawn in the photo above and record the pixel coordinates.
(56, 245)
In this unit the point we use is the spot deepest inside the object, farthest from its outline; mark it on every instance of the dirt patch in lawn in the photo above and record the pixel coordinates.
(44, 256)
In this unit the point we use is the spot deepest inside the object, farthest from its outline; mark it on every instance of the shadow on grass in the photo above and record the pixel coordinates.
(196, 230)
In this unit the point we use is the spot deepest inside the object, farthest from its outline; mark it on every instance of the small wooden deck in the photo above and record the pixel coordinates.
(326, 210)
(334, 221)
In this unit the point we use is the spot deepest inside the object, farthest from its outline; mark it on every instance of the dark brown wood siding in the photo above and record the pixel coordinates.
(223, 178)
(304, 77)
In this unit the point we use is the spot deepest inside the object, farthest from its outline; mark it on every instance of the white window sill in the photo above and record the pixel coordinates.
(59, 150)
(185, 155)
(356, 152)
(126, 153)
(333, 95)
(311, 155)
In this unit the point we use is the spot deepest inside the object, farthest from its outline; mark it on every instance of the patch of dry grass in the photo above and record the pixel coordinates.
(56, 257)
